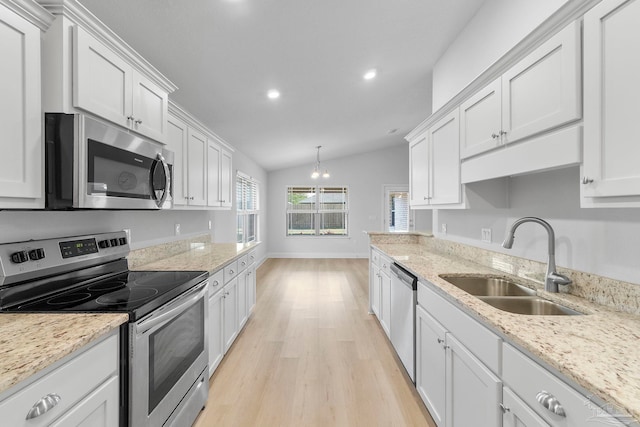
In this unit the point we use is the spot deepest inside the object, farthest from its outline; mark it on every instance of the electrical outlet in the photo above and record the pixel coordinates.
(177, 229)
(443, 228)
(127, 231)
(209, 224)
(486, 235)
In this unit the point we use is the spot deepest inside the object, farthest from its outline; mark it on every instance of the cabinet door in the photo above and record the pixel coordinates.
(242, 299)
(553, 69)
(20, 113)
(230, 313)
(474, 393)
(374, 272)
(516, 413)
(177, 135)
(213, 174)
(419, 171)
(480, 121)
(197, 168)
(611, 93)
(385, 302)
(444, 141)
(216, 324)
(251, 288)
(430, 364)
(150, 106)
(102, 82)
(99, 409)
(226, 179)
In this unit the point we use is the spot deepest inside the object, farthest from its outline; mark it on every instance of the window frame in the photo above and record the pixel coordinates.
(317, 212)
(243, 215)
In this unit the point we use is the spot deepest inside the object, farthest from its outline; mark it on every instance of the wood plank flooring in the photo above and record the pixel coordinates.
(311, 355)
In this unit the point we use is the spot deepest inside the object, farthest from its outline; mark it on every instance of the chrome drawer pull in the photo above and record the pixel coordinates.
(43, 405)
(551, 403)
(504, 409)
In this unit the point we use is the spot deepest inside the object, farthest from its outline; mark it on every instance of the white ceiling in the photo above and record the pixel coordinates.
(224, 55)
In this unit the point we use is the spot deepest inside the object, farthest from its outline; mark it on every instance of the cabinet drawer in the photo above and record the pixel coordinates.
(484, 344)
(526, 378)
(71, 382)
(216, 282)
(385, 265)
(243, 262)
(375, 257)
(230, 271)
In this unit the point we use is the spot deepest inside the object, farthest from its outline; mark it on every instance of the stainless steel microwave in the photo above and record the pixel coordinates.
(94, 165)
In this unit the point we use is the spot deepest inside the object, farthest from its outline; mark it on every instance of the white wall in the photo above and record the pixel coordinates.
(497, 27)
(365, 175)
(599, 241)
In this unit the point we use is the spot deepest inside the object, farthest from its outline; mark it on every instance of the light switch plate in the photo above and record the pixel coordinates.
(486, 235)
(443, 227)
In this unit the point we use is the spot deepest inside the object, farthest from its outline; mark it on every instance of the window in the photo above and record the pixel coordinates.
(397, 213)
(317, 211)
(248, 208)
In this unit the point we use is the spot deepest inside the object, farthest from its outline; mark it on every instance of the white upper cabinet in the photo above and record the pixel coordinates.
(21, 162)
(540, 92)
(220, 178)
(177, 133)
(612, 89)
(197, 168)
(89, 68)
(110, 87)
(435, 165)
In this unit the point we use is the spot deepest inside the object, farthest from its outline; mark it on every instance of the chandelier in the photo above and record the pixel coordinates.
(316, 170)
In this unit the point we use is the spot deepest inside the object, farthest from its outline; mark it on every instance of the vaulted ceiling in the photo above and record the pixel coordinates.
(225, 55)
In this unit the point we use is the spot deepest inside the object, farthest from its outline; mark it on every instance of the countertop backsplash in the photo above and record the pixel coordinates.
(621, 296)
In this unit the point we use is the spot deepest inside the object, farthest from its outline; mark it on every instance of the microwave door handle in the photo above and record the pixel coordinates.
(167, 180)
(158, 319)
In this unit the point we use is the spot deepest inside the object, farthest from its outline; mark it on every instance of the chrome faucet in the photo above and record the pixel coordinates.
(552, 278)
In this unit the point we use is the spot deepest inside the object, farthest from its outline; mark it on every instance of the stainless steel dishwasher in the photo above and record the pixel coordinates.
(403, 316)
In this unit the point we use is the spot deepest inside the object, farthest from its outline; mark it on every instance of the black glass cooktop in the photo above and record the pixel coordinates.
(133, 292)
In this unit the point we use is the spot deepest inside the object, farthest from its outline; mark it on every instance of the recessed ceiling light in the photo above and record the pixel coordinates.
(273, 94)
(370, 74)
(391, 131)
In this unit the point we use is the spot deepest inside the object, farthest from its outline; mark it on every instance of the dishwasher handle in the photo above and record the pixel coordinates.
(407, 278)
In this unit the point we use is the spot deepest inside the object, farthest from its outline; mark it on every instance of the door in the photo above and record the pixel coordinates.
(516, 413)
(430, 364)
(251, 288)
(213, 174)
(101, 408)
(177, 142)
(419, 171)
(230, 313)
(242, 299)
(444, 142)
(150, 106)
(226, 179)
(385, 301)
(216, 323)
(21, 117)
(398, 217)
(480, 121)
(375, 289)
(474, 393)
(611, 93)
(102, 82)
(197, 168)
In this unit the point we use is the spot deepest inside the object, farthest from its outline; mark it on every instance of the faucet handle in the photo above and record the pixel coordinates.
(559, 279)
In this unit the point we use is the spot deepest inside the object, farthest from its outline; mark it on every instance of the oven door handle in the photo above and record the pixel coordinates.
(174, 309)
(167, 181)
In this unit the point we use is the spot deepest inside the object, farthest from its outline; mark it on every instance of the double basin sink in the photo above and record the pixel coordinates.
(508, 296)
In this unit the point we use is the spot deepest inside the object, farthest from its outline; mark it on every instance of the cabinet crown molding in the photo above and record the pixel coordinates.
(80, 15)
(31, 11)
(570, 11)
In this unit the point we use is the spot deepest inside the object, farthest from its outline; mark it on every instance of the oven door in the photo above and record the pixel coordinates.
(168, 355)
(119, 170)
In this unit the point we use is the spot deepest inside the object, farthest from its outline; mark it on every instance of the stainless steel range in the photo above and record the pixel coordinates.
(164, 345)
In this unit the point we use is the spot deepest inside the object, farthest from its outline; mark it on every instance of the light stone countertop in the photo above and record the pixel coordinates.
(599, 351)
(30, 343)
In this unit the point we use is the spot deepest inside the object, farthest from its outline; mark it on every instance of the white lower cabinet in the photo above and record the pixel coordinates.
(251, 288)
(430, 364)
(87, 389)
(230, 310)
(374, 298)
(216, 321)
(385, 297)
(243, 309)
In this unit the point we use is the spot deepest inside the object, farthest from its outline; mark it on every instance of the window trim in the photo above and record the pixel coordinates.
(246, 213)
(316, 211)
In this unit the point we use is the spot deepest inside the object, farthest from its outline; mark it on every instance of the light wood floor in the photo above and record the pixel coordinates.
(310, 355)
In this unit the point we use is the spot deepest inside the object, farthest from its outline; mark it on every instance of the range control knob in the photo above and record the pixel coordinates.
(19, 257)
(114, 242)
(122, 240)
(36, 254)
(104, 244)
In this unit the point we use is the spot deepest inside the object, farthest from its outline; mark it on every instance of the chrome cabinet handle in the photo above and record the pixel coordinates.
(586, 180)
(551, 403)
(231, 271)
(244, 263)
(43, 405)
(138, 122)
(440, 340)
(129, 118)
(503, 132)
(504, 408)
(216, 283)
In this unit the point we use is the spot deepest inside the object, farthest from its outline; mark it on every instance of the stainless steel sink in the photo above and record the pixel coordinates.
(529, 305)
(488, 286)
